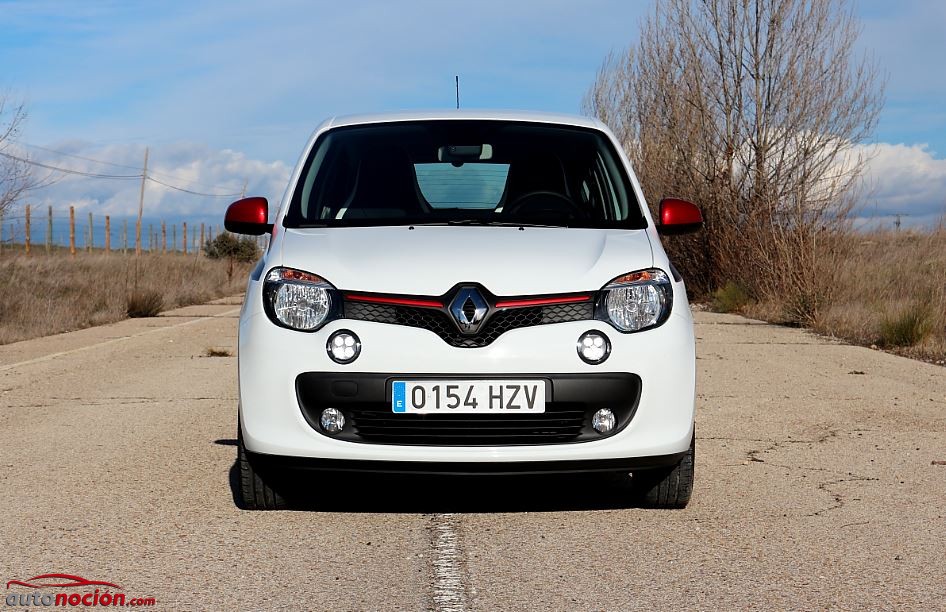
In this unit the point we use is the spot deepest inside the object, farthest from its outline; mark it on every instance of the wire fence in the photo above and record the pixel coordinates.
(37, 230)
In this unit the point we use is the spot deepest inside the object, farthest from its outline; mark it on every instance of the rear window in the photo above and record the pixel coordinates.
(463, 172)
(445, 185)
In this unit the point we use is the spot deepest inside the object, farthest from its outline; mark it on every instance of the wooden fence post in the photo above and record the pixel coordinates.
(124, 236)
(89, 244)
(26, 239)
(164, 238)
(108, 234)
(49, 230)
(72, 232)
(200, 247)
(174, 238)
(185, 237)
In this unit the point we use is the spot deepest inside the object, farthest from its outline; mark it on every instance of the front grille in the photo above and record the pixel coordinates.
(559, 424)
(441, 324)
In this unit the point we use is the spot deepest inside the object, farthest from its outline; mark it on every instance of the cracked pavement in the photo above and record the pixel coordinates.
(818, 487)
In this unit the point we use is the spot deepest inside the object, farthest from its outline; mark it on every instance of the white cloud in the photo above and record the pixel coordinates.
(903, 179)
(186, 166)
(899, 179)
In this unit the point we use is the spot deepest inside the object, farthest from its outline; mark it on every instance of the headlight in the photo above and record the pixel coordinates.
(298, 300)
(636, 301)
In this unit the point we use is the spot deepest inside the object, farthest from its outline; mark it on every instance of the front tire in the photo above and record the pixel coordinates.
(256, 492)
(667, 489)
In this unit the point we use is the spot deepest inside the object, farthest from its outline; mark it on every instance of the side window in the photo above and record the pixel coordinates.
(605, 195)
(307, 204)
(338, 188)
(615, 195)
(332, 189)
(596, 196)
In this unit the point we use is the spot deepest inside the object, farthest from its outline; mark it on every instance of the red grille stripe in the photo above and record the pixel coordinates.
(393, 301)
(549, 301)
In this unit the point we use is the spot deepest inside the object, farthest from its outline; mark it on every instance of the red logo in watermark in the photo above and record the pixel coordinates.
(83, 592)
(59, 580)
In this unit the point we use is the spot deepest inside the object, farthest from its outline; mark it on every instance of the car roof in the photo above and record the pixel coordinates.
(473, 114)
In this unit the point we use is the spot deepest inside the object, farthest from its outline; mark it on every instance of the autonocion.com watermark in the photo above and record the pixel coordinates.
(71, 591)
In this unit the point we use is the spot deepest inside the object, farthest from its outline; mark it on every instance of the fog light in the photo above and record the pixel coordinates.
(593, 347)
(343, 346)
(604, 421)
(332, 420)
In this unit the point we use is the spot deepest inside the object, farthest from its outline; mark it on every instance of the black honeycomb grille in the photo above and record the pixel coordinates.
(441, 324)
(559, 424)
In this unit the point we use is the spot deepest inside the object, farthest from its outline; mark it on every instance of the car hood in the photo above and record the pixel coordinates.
(429, 260)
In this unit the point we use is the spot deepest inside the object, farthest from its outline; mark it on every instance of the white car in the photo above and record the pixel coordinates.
(465, 292)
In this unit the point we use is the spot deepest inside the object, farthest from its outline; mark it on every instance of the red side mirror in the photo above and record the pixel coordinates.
(678, 217)
(248, 216)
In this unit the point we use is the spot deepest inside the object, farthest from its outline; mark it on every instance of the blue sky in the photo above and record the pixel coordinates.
(227, 91)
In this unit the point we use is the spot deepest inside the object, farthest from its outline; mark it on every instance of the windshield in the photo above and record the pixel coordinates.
(463, 172)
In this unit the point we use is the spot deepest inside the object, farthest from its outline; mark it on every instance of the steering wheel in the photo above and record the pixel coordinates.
(532, 202)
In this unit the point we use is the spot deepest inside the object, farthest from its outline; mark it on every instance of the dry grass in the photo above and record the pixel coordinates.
(48, 294)
(886, 289)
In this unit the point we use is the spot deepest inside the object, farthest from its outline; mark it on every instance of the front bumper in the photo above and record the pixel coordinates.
(272, 359)
(365, 400)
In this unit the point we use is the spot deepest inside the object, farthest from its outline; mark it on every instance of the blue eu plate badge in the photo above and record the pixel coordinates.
(399, 393)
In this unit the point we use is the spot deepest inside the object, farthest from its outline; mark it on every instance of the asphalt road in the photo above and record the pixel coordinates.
(818, 487)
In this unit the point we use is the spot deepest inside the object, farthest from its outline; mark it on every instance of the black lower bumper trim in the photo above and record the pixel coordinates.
(280, 464)
(571, 400)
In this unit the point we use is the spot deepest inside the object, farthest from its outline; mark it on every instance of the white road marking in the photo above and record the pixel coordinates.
(153, 330)
(449, 595)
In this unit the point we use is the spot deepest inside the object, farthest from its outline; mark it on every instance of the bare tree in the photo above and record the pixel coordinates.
(753, 109)
(16, 176)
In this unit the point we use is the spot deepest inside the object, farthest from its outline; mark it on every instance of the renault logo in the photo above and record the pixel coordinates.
(468, 309)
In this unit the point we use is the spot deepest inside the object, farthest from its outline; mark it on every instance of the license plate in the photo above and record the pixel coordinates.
(467, 396)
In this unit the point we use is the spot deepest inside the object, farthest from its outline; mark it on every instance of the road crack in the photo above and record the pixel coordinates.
(754, 454)
(839, 500)
(826, 486)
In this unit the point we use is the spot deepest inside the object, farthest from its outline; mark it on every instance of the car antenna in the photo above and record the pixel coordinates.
(457, 77)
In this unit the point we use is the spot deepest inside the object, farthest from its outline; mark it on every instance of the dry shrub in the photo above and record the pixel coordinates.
(731, 297)
(212, 351)
(187, 296)
(906, 328)
(144, 304)
(47, 294)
